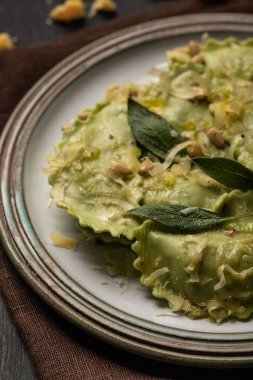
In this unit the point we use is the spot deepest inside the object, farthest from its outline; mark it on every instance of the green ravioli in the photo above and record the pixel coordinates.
(99, 172)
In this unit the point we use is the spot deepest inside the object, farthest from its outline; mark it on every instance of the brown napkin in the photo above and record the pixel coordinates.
(58, 349)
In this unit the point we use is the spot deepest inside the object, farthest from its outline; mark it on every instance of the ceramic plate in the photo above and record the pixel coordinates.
(76, 283)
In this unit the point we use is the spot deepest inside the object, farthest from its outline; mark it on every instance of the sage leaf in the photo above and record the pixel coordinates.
(174, 218)
(181, 218)
(152, 131)
(228, 172)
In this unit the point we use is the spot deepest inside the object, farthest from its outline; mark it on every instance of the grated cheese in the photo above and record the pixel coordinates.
(196, 260)
(103, 282)
(188, 210)
(153, 276)
(174, 151)
(63, 241)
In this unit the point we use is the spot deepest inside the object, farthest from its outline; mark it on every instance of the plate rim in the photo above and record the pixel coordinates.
(175, 350)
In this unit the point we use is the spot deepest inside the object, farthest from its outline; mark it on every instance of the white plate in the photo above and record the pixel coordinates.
(66, 279)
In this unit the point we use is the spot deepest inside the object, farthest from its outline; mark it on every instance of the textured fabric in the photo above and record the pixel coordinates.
(58, 349)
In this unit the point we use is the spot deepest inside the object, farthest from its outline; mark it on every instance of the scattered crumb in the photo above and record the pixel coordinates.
(103, 282)
(123, 283)
(166, 314)
(48, 156)
(113, 87)
(6, 41)
(48, 22)
(231, 233)
(63, 241)
(14, 39)
(96, 267)
(67, 128)
(112, 270)
(124, 290)
(70, 10)
(103, 6)
(50, 202)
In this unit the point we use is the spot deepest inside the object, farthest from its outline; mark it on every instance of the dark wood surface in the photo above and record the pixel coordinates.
(27, 21)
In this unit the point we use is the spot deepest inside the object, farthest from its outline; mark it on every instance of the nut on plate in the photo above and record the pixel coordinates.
(215, 137)
(193, 48)
(198, 59)
(195, 149)
(145, 167)
(119, 170)
(84, 115)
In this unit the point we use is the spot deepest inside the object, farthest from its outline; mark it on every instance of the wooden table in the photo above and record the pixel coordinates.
(28, 22)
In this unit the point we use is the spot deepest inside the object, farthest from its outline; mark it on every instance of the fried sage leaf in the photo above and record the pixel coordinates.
(151, 131)
(228, 172)
(181, 218)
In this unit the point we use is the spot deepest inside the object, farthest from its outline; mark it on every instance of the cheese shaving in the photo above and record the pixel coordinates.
(103, 282)
(63, 241)
(221, 276)
(196, 260)
(188, 210)
(166, 314)
(179, 303)
(96, 267)
(174, 151)
(238, 275)
(153, 276)
(214, 305)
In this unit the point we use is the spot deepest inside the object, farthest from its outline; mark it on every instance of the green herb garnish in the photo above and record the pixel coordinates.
(152, 131)
(183, 219)
(228, 172)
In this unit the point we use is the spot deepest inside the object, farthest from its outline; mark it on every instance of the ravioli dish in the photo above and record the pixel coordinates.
(166, 167)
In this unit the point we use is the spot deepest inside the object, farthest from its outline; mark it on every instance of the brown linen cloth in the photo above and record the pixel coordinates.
(58, 349)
